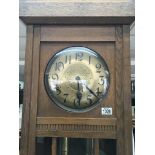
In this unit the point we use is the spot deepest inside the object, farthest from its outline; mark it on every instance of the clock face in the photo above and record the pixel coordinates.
(77, 79)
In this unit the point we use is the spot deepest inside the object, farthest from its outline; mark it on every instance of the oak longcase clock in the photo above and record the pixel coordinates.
(77, 84)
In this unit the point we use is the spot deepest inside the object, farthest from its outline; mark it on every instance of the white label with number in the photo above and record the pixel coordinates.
(106, 111)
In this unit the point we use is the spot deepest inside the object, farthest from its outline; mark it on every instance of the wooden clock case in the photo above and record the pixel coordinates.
(42, 118)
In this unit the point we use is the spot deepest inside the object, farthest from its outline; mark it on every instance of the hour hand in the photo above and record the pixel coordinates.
(78, 99)
(78, 94)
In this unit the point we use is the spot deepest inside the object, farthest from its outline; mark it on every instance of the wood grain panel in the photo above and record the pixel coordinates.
(119, 90)
(47, 108)
(77, 134)
(127, 91)
(44, 119)
(80, 121)
(34, 91)
(76, 1)
(44, 8)
(27, 91)
(76, 127)
(77, 33)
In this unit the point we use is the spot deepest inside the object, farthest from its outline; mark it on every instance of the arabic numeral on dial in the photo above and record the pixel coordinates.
(76, 103)
(68, 59)
(58, 91)
(89, 60)
(59, 66)
(55, 77)
(98, 92)
(79, 56)
(98, 67)
(90, 102)
(66, 95)
(101, 82)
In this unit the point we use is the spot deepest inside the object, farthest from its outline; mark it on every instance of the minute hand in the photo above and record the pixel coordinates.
(92, 92)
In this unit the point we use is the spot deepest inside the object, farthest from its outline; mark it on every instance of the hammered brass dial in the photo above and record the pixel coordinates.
(77, 79)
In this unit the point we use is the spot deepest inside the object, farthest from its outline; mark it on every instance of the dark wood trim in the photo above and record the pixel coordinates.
(77, 134)
(80, 121)
(96, 147)
(119, 91)
(34, 91)
(84, 20)
(127, 91)
(27, 91)
(54, 146)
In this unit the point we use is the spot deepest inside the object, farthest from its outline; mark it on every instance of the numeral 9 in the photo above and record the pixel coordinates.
(55, 77)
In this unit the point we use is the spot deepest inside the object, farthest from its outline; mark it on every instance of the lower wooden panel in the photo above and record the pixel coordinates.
(76, 127)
